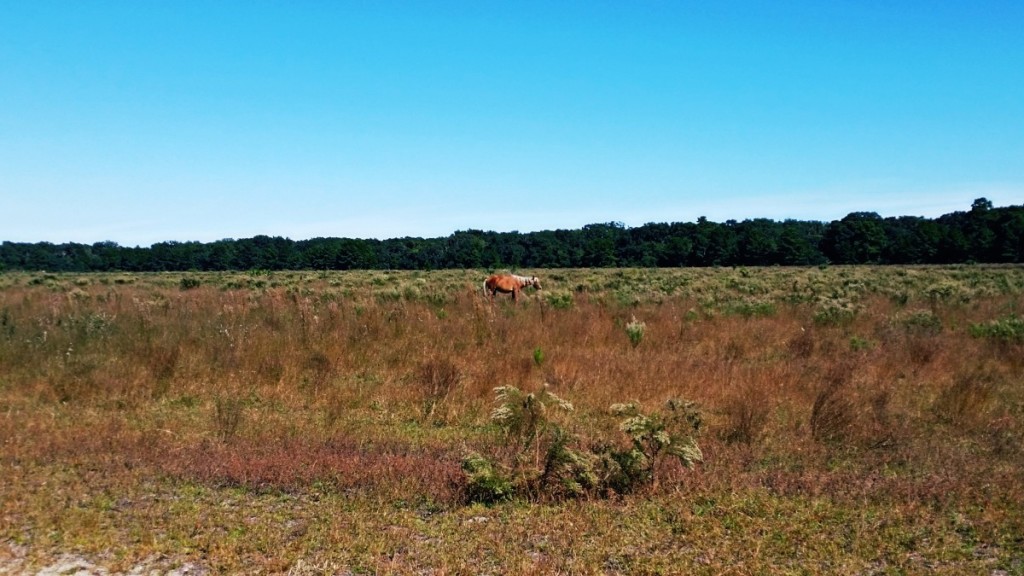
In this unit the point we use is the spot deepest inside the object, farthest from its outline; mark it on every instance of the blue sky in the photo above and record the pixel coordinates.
(139, 122)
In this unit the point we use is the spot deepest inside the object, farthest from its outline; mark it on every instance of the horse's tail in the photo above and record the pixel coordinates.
(484, 288)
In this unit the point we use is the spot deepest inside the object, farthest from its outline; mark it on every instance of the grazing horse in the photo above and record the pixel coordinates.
(509, 284)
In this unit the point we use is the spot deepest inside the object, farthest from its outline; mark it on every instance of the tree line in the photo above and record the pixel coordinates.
(982, 234)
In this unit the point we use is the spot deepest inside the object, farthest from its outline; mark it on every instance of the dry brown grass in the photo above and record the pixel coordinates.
(851, 402)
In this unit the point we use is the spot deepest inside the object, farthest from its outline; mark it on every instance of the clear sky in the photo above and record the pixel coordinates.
(144, 121)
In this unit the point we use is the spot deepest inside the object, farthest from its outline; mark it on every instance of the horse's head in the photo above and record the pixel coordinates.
(535, 282)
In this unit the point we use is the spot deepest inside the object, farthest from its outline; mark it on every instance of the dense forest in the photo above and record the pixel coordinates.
(982, 234)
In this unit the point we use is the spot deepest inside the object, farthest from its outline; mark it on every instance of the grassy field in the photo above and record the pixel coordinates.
(851, 420)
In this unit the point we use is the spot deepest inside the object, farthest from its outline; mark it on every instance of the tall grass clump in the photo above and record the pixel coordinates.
(436, 380)
(919, 330)
(746, 414)
(966, 401)
(832, 414)
(228, 414)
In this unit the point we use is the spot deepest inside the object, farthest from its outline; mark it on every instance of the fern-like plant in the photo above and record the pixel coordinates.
(635, 330)
(655, 438)
(545, 461)
(565, 472)
(1006, 330)
(485, 483)
(542, 463)
(522, 416)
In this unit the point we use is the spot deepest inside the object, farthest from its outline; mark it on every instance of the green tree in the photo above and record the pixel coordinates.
(599, 244)
(798, 243)
(758, 241)
(910, 240)
(859, 238)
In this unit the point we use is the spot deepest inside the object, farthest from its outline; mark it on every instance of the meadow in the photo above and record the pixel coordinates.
(842, 420)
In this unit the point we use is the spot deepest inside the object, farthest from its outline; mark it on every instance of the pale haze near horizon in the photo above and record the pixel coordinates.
(192, 121)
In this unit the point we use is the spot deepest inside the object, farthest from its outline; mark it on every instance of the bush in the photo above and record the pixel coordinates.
(545, 461)
(945, 291)
(566, 472)
(835, 312)
(1008, 330)
(484, 483)
(542, 462)
(524, 417)
(920, 322)
(752, 308)
(657, 437)
(560, 301)
(635, 331)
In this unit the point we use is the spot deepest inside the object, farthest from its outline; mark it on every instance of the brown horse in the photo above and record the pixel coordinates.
(508, 284)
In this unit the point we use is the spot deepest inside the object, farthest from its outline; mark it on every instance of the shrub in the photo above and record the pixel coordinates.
(1007, 330)
(522, 416)
(944, 291)
(919, 322)
(560, 301)
(484, 482)
(542, 463)
(752, 308)
(860, 344)
(546, 461)
(565, 472)
(622, 471)
(635, 331)
(835, 312)
(655, 437)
